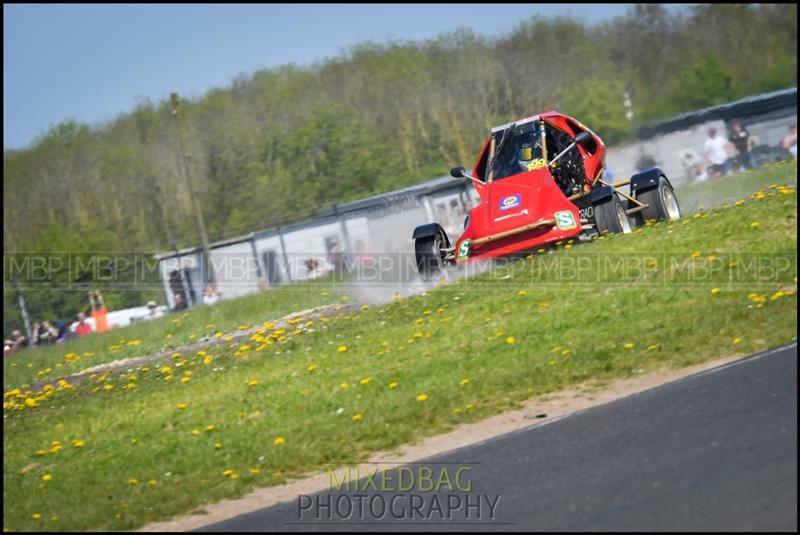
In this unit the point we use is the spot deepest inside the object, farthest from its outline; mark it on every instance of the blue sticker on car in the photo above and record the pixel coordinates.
(512, 201)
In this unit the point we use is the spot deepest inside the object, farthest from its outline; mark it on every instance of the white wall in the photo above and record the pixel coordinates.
(235, 269)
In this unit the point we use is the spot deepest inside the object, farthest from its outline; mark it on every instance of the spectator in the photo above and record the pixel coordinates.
(17, 340)
(717, 154)
(645, 161)
(99, 311)
(789, 141)
(363, 258)
(741, 139)
(211, 295)
(83, 328)
(180, 302)
(44, 333)
(63, 331)
(692, 166)
(153, 312)
(698, 174)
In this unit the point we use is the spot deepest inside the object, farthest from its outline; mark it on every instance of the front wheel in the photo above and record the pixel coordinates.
(430, 256)
(662, 202)
(610, 216)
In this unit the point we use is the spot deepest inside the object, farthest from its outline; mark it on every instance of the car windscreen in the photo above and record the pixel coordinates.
(521, 152)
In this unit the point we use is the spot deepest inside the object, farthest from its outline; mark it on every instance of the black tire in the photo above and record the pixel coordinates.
(610, 216)
(662, 202)
(430, 261)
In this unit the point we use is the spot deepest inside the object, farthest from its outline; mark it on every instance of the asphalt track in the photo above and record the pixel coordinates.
(713, 451)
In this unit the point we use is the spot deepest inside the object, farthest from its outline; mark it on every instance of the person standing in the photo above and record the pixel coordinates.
(741, 139)
(99, 311)
(716, 150)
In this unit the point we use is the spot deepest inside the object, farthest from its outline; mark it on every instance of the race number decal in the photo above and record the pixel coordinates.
(565, 220)
(463, 249)
(536, 164)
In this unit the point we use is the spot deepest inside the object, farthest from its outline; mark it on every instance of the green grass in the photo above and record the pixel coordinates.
(726, 190)
(654, 289)
(45, 363)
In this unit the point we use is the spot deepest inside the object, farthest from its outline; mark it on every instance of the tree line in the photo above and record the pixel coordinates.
(278, 144)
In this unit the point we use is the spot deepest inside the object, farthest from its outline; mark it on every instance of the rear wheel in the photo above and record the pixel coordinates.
(610, 216)
(661, 200)
(430, 256)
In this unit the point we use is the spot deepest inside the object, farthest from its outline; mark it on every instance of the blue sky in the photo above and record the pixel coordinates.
(92, 62)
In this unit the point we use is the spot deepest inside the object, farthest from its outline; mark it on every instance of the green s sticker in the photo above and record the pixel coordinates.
(565, 220)
(463, 249)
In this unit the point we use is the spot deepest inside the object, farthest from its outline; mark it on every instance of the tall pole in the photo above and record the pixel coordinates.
(24, 310)
(189, 172)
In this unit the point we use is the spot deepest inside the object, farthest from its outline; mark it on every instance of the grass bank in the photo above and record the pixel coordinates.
(124, 449)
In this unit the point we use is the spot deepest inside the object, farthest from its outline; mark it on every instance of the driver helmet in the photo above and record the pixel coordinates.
(526, 152)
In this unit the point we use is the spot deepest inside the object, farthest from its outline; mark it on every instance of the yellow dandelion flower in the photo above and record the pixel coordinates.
(754, 225)
(41, 452)
(393, 384)
(366, 380)
(652, 347)
(736, 340)
(628, 345)
(422, 397)
(342, 349)
(185, 379)
(279, 441)
(357, 417)
(195, 432)
(344, 386)
(470, 406)
(152, 482)
(210, 427)
(47, 477)
(208, 359)
(464, 382)
(312, 368)
(255, 471)
(133, 481)
(714, 291)
(511, 340)
(217, 445)
(182, 406)
(252, 382)
(36, 516)
(228, 473)
(544, 305)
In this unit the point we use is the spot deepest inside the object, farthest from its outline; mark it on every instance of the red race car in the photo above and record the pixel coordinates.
(540, 180)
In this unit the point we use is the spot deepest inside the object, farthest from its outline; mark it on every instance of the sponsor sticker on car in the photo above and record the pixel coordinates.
(512, 201)
(463, 249)
(565, 220)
